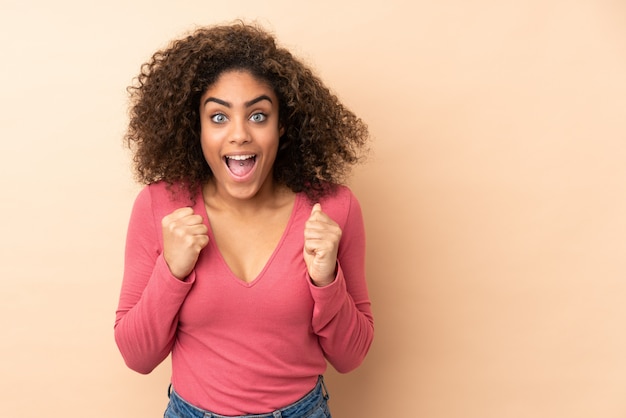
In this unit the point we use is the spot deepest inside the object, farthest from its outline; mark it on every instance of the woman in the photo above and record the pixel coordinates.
(244, 254)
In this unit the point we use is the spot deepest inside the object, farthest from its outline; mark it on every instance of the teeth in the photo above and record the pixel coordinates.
(240, 157)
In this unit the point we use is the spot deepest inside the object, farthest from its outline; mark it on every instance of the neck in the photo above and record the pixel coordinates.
(268, 197)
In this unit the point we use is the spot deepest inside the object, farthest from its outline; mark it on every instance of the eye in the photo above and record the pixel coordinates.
(219, 118)
(258, 117)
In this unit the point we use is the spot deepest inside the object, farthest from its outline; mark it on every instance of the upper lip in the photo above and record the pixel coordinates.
(240, 156)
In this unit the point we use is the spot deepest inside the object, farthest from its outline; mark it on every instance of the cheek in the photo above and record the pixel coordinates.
(210, 149)
(271, 147)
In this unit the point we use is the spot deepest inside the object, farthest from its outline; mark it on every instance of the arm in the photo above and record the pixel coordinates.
(342, 316)
(150, 299)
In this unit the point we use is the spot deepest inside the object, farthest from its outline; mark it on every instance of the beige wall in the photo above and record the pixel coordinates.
(495, 199)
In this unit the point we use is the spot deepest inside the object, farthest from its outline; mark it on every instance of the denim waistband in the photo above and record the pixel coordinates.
(309, 401)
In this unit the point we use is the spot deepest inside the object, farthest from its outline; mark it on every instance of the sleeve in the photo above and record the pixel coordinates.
(342, 314)
(150, 298)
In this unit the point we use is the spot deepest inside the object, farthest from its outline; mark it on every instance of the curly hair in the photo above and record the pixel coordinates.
(321, 139)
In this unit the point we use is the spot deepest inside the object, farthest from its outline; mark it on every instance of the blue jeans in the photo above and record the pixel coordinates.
(312, 405)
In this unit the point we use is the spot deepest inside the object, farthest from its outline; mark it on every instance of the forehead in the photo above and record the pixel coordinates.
(239, 83)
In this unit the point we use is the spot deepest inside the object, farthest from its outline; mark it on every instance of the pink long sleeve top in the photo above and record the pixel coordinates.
(242, 348)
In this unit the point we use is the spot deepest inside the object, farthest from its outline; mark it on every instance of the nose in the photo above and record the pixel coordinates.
(239, 133)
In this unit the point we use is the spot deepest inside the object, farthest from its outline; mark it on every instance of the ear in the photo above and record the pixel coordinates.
(283, 142)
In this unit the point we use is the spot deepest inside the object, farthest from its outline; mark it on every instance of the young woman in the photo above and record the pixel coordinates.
(244, 254)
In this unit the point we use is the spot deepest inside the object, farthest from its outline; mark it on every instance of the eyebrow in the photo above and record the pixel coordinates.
(247, 104)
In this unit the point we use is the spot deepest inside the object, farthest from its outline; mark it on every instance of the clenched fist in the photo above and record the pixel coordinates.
(184, 236)
(321, 242)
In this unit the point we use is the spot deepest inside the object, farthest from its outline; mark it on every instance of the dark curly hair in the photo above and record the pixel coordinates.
(322, 138)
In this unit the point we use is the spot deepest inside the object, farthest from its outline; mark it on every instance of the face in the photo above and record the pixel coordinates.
(240, 133)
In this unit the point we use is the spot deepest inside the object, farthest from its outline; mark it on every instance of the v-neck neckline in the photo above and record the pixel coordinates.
(214, 247)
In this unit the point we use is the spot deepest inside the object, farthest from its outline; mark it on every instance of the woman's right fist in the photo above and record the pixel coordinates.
(184, 236)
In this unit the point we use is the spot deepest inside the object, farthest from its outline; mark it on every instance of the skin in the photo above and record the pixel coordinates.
(239, 118)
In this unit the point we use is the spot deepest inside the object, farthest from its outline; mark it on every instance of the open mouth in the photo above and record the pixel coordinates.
(240, 165)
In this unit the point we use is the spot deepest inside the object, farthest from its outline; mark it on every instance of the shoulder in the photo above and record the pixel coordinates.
(163, 198)
(340, 204)
(338, 195)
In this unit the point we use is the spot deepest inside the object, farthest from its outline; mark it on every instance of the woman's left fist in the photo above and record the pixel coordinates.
(321, 242)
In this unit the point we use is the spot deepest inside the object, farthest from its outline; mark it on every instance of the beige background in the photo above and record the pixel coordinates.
(495, 199)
